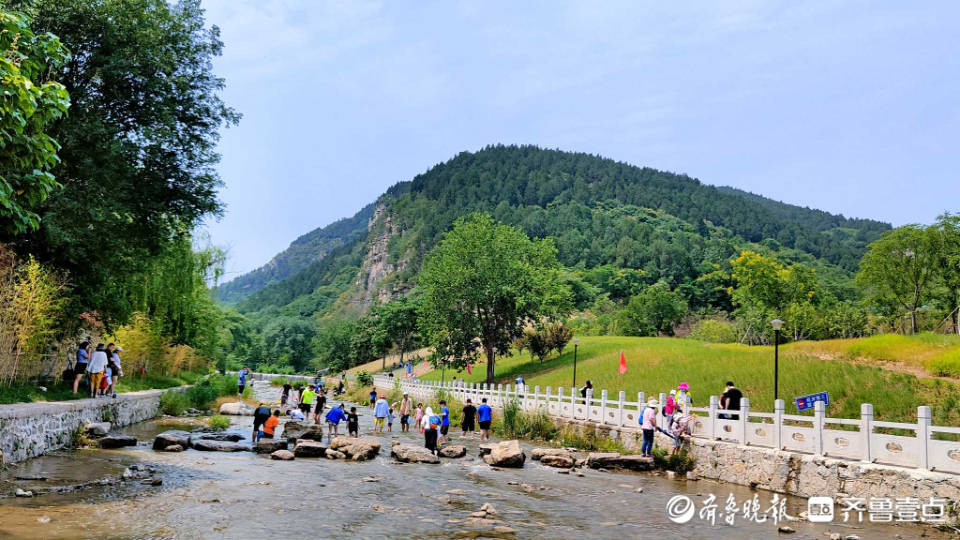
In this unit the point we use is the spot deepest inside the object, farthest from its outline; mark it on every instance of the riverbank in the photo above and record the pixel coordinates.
(32, 429)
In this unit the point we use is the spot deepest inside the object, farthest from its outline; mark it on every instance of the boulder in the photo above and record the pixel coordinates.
(117, 441)
(236, 408)
(453, 451)
(411, 453)
(97, 429)
(219, 436)
(269, 446)
(557, 460)
(506, 454)
(208, 445)
(358, 449)
(486, 448)
(612, 460)
(308, 448)
(299, 430)
(174, 448)
(170, 438)
(537, 453)
(333, 454)
(282, 455)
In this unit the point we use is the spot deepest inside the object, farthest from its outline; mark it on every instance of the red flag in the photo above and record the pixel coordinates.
(468, 370)
(623, 363)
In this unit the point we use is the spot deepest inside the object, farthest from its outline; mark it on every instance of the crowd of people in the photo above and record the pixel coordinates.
(100, 367)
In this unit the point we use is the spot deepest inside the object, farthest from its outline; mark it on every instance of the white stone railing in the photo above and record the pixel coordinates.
(815, 434)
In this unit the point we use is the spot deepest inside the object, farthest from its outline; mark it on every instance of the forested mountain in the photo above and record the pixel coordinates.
(602, 215)
(303, 251)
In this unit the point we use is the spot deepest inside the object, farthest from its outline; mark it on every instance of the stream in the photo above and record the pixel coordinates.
(245, 495)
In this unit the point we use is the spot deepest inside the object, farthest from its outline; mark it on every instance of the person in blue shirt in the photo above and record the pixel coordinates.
(334, 417)
(484, 418)
(381, 409)
(242, 380)
(444, 422)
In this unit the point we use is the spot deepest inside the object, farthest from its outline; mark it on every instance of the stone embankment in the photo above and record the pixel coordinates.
(32, 429)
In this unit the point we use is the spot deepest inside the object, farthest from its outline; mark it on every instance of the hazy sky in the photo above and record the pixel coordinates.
(851, 107)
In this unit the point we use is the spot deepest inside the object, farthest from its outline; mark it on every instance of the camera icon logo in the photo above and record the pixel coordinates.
(820, 509)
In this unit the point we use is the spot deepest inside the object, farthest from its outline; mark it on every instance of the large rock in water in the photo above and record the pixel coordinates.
(357, 449)
(218, 436)
(300, 430)
(557, 460)
(268, 446)
(537, 453)
(308, 448)
(207, 445)
(411, 453)
(486, 448)
(612, 460)
(506, 454)
(236, 408)
(117, 441)
(453, 451)
(170, 438)
(282, 455)
(97, 429)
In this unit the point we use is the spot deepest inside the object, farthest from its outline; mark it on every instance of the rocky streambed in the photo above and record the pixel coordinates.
(397, 492)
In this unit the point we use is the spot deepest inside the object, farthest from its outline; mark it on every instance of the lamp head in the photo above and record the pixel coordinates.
(777, 324)
(576, 341)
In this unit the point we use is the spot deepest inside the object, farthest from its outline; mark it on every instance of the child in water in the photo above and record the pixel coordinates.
(418, 416)
(353, 423)
(390, 421)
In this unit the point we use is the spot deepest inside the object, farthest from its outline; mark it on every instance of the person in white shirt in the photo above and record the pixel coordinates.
(96, 367)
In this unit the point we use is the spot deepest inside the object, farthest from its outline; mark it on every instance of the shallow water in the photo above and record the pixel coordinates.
(243, 495)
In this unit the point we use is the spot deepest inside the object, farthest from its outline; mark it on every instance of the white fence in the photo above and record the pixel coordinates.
(817, 434)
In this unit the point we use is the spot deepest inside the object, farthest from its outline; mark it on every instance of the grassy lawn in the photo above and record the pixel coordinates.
(61, 391)
(656, 365)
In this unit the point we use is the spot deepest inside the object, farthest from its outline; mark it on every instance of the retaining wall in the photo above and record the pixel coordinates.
(31, 429)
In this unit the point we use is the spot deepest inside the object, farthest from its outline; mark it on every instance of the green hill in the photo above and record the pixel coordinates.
(602, 214)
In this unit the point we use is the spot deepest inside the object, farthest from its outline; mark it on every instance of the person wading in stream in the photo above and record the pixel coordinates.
(430, 424)
(242, 381)
(321, 400)
(334, 417)
(406, 407)
(306, 400)
(484, 418)
(270, 426)
(469, 414)
(381, 409)
(260, 417)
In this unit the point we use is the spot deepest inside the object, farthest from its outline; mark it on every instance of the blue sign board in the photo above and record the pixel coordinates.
(806, 402)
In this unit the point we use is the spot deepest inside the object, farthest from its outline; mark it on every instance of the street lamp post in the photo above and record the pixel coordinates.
(576, 343)
(777, 324)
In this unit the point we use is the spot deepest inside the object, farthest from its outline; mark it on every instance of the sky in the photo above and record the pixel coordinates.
(850, 107)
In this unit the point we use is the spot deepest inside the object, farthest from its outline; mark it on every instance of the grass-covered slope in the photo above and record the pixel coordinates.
(848, 369)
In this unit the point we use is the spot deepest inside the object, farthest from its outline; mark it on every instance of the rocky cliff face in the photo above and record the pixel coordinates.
(372, 280)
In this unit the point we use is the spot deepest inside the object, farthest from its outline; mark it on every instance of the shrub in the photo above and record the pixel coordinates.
(680, 463)
(202, 394)
(279, 381)
(219, 422)
(573, 438)
(174, 403)
(364, 378)
(517, 423)
(714, 331)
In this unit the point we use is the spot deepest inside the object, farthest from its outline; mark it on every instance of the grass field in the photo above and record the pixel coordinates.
(848, 369)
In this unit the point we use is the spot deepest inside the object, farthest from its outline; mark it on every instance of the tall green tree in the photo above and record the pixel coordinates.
(484, 282)
(899, 270)
(947, 233)
(398, 324)
(138, 155)
(655, 311)
(30, 102)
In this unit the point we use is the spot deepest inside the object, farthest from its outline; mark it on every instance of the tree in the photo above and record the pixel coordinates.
(398, 324)
(947, 232)
(771, 285)
(138, 153)
(899, 268)
(29, 105)
(558, 336)
(290, 339)
(656, 310)
(485, 281)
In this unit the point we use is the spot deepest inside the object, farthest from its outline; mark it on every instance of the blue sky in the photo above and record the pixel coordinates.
(850, 107)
